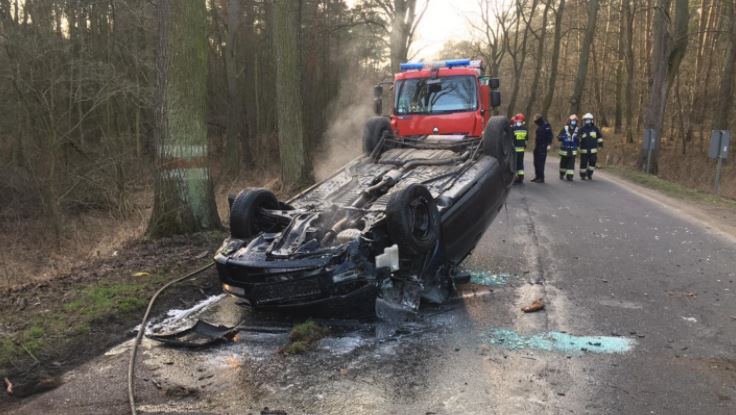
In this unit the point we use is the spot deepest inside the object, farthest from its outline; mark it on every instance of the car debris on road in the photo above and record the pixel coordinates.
(536, 305)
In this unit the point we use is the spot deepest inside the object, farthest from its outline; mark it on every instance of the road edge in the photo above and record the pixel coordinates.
(687, 210)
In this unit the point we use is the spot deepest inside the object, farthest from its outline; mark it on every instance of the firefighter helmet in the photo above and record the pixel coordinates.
(520, 117)
(588, 116)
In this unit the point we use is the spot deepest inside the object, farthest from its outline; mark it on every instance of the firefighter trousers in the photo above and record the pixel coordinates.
(520, 163)
(588, 160)
(567, 163)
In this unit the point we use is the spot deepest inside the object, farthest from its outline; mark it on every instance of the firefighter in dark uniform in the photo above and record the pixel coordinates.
(569, 140)
(590, 140)
(542, 141)
(518, 127)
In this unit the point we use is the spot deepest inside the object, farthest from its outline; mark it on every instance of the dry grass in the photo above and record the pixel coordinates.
(693, 170)
(29, 254)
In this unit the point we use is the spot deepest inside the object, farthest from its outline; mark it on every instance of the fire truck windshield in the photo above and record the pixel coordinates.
(436, 95)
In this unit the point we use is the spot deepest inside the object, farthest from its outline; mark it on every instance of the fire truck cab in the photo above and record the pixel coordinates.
(447, 98)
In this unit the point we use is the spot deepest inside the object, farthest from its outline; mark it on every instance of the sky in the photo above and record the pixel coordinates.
(444, 20)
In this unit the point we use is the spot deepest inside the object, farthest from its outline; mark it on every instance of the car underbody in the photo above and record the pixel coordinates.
(394, 224)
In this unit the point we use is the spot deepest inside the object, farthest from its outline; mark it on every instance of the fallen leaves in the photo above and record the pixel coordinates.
(536, 305)
(8, 386)
(140, 274)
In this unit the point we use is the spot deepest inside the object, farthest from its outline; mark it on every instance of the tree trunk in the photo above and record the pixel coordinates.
(287, 21)
(236, 112)
(184, 200)
(679, 40)
(628, 30)
(696, 93)
(555, 60)
(540, 56)
(618, 112)
(519, 63)
(600, 72)
(726, 92)
(646, 56)
(404, 13)
(669, 47)
(577, 95)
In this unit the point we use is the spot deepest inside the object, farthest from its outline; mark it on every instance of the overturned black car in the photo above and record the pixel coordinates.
(398, 220)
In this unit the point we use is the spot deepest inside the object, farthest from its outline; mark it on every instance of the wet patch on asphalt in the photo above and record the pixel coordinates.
(554, 341)
(334, 371)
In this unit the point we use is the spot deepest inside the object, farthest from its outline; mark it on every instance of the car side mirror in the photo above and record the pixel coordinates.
(377, 100)
(494, 83)
(495, 99)
(377, 91)
(378, 106)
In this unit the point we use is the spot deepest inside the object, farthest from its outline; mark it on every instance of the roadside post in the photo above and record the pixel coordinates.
(719, 140)
(649, 144)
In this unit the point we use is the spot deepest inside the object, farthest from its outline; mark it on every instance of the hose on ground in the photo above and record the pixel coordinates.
(142, 330)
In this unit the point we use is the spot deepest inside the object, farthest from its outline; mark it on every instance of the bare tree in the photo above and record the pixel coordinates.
(552, 82)
(492, 47)
(726, 88)
(533, 89)
(398, 21)
(404, 22)
(628, 40)
(590, 30)
(670, 43)
(517, 49)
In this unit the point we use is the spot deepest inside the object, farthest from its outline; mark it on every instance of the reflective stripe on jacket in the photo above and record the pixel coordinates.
(520, 137)
(590, 138)
(569, 138)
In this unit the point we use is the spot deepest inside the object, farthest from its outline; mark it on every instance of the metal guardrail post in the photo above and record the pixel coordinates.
(718, 150)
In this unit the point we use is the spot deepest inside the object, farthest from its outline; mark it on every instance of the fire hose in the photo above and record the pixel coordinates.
(142, 329)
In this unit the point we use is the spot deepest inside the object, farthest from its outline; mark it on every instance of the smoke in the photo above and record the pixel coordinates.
(342, 141)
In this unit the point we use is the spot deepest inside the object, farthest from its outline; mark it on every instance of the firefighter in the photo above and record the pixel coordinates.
(590, 140)
(568, 148)
(520, 135)
(542, 141)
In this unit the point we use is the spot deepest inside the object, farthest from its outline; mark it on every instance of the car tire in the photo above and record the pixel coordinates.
(412, 219)
(373, 131)
(244, 212)
(498, 142)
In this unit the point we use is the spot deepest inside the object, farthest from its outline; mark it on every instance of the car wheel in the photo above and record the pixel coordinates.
(498, 142)
(412, 219)
(246, 220)
(373, 131)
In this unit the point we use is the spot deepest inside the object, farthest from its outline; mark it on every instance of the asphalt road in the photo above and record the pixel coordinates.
(656, 285)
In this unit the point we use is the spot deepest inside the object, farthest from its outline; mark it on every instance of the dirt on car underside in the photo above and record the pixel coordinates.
(344, 187)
